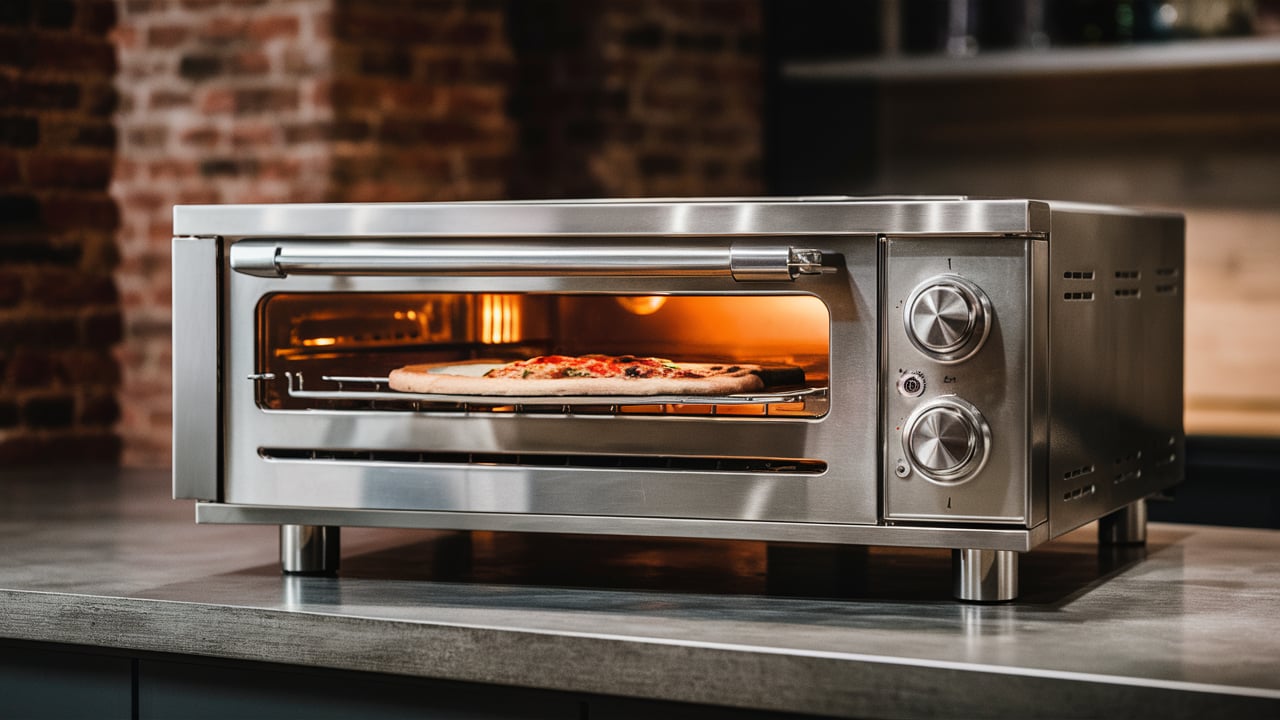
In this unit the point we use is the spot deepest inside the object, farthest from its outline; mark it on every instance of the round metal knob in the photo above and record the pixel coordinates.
(947, 318)
(946, 440)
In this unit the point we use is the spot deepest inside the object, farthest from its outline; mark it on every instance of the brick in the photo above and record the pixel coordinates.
(56, 411)
(87, 367)
(39, 95)
(88, 55)
(249, 63)
(143, 137)
(36, 249)
(171, 169)
(10, 172)
(19, 208)
(100, 99)
(394, 62)
(55, 13)
(77, 211)
(169, 99)
(226, 167)
(272, 27)
(419, 130)
(61, 288)
(95, 135)
(97, 16)
(19, 132)
(80, 172)
(254, 136)
(200, 67)
(167, 36)
(99, 409)
(11, 288)
(201, 137)
(41, 331)
(100, 328)
(9, 416)
(262, 100)
(224, 29)
(30, 368)
(218, 101)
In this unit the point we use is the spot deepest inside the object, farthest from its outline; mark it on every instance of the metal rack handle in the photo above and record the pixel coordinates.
(280, 258)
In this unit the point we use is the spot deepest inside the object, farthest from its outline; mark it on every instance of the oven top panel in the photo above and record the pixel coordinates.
(618, 218)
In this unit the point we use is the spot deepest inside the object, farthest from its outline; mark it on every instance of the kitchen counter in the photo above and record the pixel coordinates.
(1187, 626)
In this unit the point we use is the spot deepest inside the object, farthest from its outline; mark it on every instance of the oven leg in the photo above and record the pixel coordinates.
(984, 575)
(1126, 526)
(309, 549)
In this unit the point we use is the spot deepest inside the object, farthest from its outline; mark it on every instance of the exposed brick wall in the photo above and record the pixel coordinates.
(222, 101)
(630, 98)
(59, 311)
(404, 100)
(419, 98)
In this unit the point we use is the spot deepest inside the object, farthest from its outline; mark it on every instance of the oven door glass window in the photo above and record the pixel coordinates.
(334, 351)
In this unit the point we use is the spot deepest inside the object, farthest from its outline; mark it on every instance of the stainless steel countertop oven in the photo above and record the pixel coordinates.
(980, 375)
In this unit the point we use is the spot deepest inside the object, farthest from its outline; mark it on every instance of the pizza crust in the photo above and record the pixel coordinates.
(421, 379)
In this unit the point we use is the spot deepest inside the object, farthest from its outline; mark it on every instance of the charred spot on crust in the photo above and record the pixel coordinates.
(632, 372)
(735, 368)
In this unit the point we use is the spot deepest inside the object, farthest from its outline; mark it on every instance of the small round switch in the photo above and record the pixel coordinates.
(911, 384)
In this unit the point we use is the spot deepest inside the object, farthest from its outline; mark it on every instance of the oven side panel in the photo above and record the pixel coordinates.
(197, 437)
(1116, 361)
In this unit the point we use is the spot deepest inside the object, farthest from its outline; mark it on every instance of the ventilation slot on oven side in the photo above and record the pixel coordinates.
(612, 462)
(1077, 296)
(1078, 275)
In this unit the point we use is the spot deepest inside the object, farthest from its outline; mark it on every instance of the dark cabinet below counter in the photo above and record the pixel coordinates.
(42, 680)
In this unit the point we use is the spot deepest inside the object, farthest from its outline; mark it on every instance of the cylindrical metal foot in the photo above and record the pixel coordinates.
(984, 575)
(1126, 526)
(309, 549)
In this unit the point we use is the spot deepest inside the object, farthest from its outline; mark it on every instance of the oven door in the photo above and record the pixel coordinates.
(312, 328)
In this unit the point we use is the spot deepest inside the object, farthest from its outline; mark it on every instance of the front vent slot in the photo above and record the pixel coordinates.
(1128, 293)
(1169, 289)
(787, 466)
(1078, 275)
(1167, 272)
(1078, 296)
(1128, 275)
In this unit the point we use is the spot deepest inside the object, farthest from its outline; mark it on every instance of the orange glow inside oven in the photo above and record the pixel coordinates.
(369, 334)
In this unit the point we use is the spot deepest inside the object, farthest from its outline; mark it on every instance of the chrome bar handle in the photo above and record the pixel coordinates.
(276, 259)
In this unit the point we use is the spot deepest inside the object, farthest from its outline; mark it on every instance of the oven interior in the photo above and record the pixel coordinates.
(333, 351)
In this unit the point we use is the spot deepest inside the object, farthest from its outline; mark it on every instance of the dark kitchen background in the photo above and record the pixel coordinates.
(111, 112)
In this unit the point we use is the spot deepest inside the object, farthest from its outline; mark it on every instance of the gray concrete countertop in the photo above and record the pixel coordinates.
(1187, 626)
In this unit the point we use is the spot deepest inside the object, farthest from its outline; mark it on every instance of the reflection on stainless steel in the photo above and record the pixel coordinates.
(1126, 526)
(309, 549)
(984, 575)
(281, 258)
(982, 375)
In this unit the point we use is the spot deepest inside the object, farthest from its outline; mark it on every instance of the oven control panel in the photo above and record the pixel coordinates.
(955, 337)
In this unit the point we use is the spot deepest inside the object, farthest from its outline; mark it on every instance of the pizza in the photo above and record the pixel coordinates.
(551, 375)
